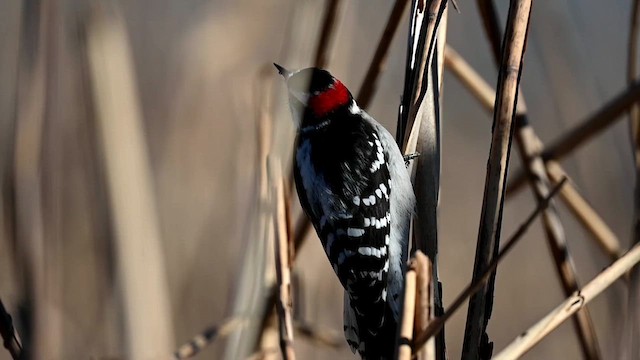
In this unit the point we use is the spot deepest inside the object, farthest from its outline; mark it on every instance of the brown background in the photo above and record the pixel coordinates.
(196, 62)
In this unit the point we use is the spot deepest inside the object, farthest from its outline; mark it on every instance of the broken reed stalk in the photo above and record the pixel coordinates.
(633, 304)
(569, 306)
(592, 222)
(476, 344)
(206, 337)
(370, 82)
(408, 312)
(585, 214)
(282, 261)
(424, 307)
(437, 325)
(140, 261)
(8, 334)
(578, 136)
(529, 149)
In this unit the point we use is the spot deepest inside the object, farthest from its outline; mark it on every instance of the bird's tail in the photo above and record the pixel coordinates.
(379, 346)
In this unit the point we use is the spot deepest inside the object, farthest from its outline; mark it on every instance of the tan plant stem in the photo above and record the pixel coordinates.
(570, 306)
(476, 344)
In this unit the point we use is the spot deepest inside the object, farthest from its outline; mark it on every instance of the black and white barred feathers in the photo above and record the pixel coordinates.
(353, 185)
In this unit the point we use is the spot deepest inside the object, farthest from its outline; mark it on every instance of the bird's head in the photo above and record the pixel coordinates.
(314, 93)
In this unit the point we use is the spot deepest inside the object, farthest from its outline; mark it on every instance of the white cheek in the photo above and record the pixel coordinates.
(301, 96)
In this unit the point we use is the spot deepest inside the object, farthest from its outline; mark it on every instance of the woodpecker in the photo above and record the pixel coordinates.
(353, 185)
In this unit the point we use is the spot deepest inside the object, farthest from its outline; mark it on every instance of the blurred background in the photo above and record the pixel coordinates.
(129, 164)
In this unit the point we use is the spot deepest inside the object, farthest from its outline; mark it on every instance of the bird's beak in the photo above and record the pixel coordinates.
(284, 72)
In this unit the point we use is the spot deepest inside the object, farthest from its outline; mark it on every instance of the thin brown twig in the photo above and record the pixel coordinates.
(571, 305)
(476, 343)
(592, 222)
(283, 272)
(8, 334)
(529, 149)
(325, 337)
(377, 64)
(206, 337)
(437, 325)
(331, 18)
(582, 211)
(578, 136)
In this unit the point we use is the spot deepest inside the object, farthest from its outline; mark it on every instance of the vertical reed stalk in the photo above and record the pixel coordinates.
(476, 342)
(140, 259)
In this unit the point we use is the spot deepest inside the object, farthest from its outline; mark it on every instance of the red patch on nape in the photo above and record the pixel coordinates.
(329, 100)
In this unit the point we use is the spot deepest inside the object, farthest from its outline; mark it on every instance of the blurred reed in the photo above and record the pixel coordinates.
(140, 258)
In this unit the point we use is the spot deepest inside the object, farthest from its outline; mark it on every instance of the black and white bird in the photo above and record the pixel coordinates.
(353, 185)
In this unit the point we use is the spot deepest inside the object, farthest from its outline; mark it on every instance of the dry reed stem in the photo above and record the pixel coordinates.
(327, 34)
(633, 305)
(408, 312)
(251, 287)
(578, 136)
(529, 145)
(632, 66)
(425, 312)
(283, 272)
(582, 211)
(425, 18)
(427, 36)
(378, 63)
(8, 334)
(587, 216)
(263, 354)
(320, 336)
(469, 77)
(571, 305)
(206, 337)
(436, 326)
(34, 95)
(476, 343)
(140, 261)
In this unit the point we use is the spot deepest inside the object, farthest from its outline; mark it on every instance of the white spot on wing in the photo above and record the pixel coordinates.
(355, 232)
